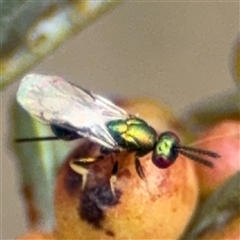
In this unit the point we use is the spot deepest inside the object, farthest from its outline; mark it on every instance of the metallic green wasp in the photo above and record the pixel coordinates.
(74, 112)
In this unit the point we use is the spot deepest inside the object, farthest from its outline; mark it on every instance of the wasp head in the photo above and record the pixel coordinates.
(165, 152)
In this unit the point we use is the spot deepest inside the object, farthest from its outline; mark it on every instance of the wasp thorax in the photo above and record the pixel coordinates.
(165, 152)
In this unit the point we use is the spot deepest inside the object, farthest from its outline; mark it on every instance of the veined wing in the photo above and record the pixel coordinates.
(107, 109)
(53, 100)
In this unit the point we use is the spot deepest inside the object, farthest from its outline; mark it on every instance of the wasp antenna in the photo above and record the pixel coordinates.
(200, 151)
(36, 139)
(196, 158)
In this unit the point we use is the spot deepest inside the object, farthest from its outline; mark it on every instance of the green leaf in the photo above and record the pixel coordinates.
(25, 40)
(222, 206)
(38, 164)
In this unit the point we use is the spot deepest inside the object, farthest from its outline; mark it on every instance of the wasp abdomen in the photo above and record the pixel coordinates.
(64, 133)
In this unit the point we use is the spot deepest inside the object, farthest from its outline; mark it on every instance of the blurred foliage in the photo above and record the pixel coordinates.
(236, 62)
(217, 211)
(223, 206)
(225, 106)
(213, 110)
(31, 29)
(38, 165)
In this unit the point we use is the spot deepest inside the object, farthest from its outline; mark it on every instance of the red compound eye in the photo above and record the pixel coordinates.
(162, 162)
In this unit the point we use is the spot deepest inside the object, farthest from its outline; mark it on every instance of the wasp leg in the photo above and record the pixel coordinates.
(81, 167)
(113, 178)
(140, 172)
(139, 168)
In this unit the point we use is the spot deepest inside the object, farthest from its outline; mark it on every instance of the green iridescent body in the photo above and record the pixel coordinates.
(133, 134)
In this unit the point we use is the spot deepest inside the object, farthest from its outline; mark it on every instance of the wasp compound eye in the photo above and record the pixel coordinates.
(165, 152)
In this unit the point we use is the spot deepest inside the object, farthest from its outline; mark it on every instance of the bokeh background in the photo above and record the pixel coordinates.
(176, 52)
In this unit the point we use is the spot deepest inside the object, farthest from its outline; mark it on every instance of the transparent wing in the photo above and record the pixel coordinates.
(107, 109)
(53, 100)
